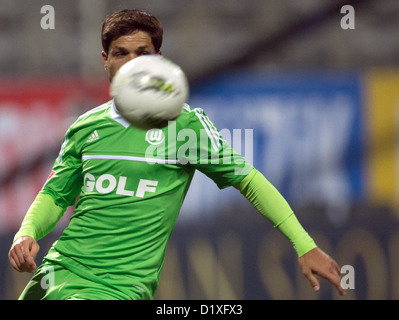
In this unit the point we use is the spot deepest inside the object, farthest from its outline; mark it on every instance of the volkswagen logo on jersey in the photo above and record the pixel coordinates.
(155, 136)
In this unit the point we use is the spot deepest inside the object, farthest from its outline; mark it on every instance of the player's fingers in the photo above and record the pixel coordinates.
(14, 261)
(312, 279)
(333, 265)
(333, 275)
(335, 279)
(17, 257)
(26, 253)
(18, 254)
(341, 290)
(29, 265)
(34, 249)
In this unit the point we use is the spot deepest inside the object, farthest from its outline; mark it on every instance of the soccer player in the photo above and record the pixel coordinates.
(129, 198)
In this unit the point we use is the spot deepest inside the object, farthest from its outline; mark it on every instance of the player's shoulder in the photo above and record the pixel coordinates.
(94, 115)
(190, 114)
(188, 110)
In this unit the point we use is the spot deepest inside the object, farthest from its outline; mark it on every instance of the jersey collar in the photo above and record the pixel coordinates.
(115, 115)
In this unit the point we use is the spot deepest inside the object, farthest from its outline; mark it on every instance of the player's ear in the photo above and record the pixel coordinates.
(159, 52)
(105, 59)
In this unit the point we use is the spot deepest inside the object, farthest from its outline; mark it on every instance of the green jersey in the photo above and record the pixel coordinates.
(130, 184)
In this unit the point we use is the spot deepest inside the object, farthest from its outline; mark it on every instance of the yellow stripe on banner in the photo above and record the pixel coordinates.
(382, 103)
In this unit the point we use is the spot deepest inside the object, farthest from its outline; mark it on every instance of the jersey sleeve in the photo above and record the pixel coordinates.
(213, 155)
(64, 181)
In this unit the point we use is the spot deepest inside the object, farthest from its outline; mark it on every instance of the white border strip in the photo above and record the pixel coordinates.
(130, 158)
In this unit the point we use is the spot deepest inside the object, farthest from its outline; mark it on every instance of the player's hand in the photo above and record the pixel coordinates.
(23, 253)
(316, 262)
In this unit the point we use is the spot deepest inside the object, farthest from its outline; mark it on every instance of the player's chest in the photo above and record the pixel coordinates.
(128, 150)
(108, 139)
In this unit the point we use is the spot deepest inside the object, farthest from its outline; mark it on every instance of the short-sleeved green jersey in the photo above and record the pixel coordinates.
(130, 184)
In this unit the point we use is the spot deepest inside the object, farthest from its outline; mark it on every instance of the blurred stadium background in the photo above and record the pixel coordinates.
(318, 104)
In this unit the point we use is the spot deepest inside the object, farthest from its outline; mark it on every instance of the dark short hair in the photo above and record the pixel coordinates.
(124, 22)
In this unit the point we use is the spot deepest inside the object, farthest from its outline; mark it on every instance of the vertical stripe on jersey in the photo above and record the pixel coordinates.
(210, 129)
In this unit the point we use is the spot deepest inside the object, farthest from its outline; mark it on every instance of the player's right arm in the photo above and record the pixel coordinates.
(60, 191)
(42, 216)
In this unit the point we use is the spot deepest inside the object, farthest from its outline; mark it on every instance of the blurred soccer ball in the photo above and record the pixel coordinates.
(149, 91)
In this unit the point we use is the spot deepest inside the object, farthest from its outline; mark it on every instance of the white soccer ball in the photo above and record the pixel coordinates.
(149, 91)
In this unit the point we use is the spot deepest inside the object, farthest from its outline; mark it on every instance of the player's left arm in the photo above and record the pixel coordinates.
(272, 205)
(232, 169)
